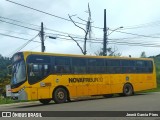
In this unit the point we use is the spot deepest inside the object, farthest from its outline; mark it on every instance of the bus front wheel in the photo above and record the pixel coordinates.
(127, 90)
(44, 101)
(60, 95)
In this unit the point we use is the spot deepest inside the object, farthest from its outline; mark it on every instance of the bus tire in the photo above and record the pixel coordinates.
(108, 95)
(44, 101)
(127, 90)
(60, 95)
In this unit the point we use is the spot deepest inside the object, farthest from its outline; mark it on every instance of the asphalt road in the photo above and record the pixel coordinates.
(138, 102)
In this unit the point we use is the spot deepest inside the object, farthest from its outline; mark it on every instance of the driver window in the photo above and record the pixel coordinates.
(39, 69)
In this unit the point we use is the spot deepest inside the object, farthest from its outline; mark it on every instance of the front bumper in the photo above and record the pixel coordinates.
(14, 96)
(21, 95)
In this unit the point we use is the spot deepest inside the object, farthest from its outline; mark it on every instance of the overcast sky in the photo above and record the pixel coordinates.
(140, 20)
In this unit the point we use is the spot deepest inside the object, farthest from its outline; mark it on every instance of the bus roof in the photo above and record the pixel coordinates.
(82, 56)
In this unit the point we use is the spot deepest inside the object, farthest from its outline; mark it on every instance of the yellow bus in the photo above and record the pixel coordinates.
(62, 77)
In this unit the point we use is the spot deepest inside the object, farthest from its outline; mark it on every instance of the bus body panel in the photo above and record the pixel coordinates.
(80, 85)
(108, 86)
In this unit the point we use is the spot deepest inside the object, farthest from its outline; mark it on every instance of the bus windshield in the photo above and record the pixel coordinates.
(18, 72)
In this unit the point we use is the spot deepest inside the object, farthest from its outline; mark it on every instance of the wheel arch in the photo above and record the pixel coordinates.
(65, 88)
(129, 84)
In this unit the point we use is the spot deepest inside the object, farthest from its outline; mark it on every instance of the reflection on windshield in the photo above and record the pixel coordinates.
(18, 73)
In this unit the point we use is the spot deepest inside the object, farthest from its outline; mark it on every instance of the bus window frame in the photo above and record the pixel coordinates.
(28, 64)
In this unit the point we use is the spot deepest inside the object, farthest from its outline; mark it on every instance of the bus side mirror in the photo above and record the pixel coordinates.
(9, 70)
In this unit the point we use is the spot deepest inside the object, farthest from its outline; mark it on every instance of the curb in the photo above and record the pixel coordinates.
(20, 103)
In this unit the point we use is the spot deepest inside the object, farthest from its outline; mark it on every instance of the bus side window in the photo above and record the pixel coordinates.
(30, 67)
(59, 69)
(62, 65)
(148, 66)
(79, 65)
(46, 69)
(113, 66)
(39, 69)
(96, 65)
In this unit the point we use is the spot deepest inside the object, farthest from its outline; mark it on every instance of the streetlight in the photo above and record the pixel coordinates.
(52, 37)
(114, 30)
(105, 40)
(43, 46)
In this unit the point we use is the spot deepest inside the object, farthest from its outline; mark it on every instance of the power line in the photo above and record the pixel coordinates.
(47, 13)
(76, 35)
(115, 42)
(101, 39)
(142, 25)
(15, 32)
(59, 32)
(19, 25)
(137, 44)
(38, 10)
(18, 21)
(24, 45)
(36, 26)
(129, 44)
(73, 36)
(127, 27)
(37, 30)
(135, 39)
(70, 20)
(135, 34)
(139, 36)
(70, 33)
(17, 37)
(138, 27)
(129, 38)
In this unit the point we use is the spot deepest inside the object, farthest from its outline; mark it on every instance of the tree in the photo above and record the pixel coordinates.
(110, 50)
(86, 31)
(4, 78)
(143, 55)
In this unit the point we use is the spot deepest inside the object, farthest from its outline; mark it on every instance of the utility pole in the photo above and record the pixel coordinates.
(105, 35)
(42, 38)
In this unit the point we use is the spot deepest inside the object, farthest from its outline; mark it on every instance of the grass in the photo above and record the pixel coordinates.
(9, 101)
(6, 101)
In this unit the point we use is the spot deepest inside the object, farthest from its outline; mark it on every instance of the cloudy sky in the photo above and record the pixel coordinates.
(140, 20)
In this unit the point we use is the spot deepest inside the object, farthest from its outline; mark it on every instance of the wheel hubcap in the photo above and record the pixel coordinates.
(60, 95)
(127, 90)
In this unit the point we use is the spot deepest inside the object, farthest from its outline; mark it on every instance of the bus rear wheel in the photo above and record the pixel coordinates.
(60, 95)
(127, 90)
(44, 101)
